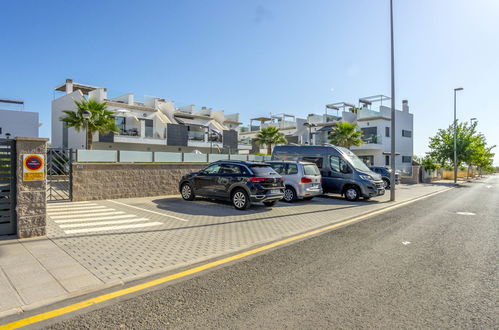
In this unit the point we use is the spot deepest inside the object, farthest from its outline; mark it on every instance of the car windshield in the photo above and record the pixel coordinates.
(311, 170)
(355, 161)
(263, 170)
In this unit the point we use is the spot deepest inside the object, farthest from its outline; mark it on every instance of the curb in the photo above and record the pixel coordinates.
(46, 302)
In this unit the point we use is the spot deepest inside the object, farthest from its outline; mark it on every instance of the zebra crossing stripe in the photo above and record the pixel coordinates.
(91, 230)
(103, 223)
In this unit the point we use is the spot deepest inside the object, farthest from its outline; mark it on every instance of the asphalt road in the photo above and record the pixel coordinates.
(419, 266)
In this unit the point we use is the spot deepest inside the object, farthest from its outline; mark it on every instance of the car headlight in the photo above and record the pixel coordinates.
(366, 177)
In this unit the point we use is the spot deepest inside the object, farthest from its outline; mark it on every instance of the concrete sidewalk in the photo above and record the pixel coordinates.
(34, 272)
(39, 271)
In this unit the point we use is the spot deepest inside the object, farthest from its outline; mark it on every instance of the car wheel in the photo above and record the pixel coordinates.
(289, 195)
(272, 203)
(187, 192)
(240, 199)
(352, 193)
(386, 183)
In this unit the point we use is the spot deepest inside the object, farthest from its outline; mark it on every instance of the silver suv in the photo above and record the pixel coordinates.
(302, 180)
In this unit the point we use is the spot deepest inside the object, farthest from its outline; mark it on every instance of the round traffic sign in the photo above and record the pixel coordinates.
(33, 163)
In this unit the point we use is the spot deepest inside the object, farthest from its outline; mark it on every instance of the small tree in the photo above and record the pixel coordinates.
(345, 135)
(270, 136)
(101, 119)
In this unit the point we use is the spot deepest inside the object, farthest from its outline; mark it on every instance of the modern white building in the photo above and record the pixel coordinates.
(372, 117)
(154, 124)
(16, 122)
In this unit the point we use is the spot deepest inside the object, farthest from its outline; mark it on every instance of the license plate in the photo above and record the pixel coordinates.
(275, 191)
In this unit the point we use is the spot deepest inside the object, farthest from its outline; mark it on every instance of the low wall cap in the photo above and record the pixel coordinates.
(27, 138)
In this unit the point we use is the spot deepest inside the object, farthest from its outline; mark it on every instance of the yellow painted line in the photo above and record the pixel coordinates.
(99, 299)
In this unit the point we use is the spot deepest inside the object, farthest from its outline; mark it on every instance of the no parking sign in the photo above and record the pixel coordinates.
(33, 167)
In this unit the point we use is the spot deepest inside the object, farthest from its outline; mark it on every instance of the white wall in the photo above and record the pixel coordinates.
(75, 139)
(18, 123)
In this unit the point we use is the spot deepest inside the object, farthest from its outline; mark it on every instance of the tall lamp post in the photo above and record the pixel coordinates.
(455, 135)
(86, 116)
(392, 155)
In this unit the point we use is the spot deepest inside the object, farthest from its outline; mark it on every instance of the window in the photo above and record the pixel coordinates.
(279, 168)
(292, 169)
(121, 123)
(387, 160)
(230, 169)
(213, 169)
(149, 130)
(406, 133)
(316, 160)
(387, 131)
(263, 170)
(368, 160)
(337, 163)
(369, 134)
(311, 170)
(406, 159)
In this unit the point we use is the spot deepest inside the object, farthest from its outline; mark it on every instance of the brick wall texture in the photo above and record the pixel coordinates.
(124, 180)
(31, 204)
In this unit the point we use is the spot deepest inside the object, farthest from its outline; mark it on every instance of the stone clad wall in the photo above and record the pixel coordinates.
(31, 196)
(94, 181)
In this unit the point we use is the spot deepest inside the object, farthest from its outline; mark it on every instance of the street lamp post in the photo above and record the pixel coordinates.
(455, 135)
(392, 155)
(86, 116)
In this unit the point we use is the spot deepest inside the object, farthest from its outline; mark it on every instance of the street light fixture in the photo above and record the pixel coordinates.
(86, 116)
(455, 135)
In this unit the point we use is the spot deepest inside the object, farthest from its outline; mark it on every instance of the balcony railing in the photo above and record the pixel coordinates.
(372, 139)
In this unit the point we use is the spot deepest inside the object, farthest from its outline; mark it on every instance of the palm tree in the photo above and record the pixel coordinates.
(100, 119)
(270, 136)
(345, 135)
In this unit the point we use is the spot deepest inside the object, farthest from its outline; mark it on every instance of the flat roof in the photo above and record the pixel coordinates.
(85, 89)
(262, 119)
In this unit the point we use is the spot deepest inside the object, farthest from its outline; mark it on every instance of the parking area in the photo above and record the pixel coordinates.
(122, 239)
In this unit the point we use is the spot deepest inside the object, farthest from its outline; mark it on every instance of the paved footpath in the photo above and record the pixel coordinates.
(93, 244)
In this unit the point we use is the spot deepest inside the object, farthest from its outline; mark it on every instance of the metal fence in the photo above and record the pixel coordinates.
(59, 174)
(122, 156)
(7, 187)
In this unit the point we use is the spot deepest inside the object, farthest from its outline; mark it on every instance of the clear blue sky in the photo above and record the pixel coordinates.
(256, 57)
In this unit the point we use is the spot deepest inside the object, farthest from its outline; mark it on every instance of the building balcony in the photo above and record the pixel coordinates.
(138, 139)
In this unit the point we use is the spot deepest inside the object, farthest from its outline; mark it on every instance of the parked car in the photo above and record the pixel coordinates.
(240, 182)
(302, 180)
(386, 174)
(342, 171)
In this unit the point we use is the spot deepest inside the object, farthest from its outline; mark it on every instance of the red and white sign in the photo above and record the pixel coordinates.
(33, 167)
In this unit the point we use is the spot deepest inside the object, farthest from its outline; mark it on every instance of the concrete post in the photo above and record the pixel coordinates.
(30, 195)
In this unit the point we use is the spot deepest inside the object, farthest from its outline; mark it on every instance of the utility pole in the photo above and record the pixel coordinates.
(392, 155)
(455, 135)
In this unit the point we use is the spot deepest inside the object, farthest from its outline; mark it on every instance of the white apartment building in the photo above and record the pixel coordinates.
(154, 124)
(373, 118)
(16, 122)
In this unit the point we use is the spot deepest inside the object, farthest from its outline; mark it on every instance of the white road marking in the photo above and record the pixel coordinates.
(66, 216)
(69, 212)
(72, 207)
(146, 210)
(90, 230)
(111, 217)
(465, 213)
(66, 209)
(102, 223)
(66, 205)
(406, 242)
(489, 186)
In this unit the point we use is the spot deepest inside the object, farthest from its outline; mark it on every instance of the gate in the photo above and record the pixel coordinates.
(59, 176)
(7, 187)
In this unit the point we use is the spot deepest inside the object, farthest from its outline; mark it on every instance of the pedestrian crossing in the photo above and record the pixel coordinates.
(88, 217)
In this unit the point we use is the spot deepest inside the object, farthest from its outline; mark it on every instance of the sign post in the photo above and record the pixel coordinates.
(33, 167)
